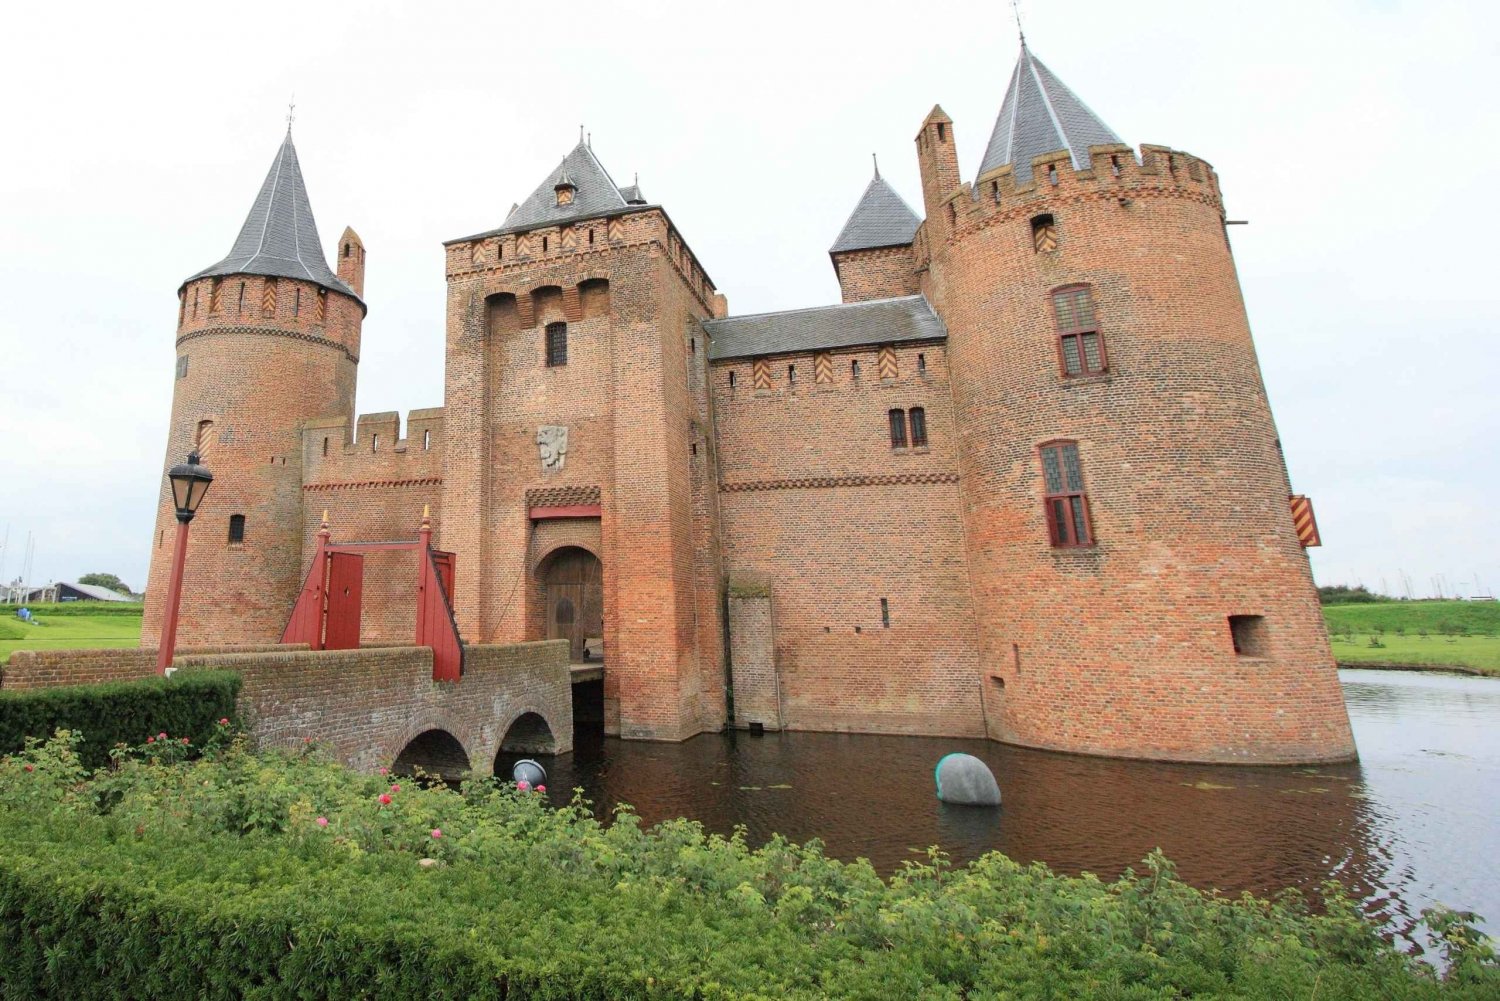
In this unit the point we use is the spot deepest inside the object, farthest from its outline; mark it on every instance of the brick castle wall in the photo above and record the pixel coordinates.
(53, 668)
(817, 504)
(1124, 647)
(879, 273)
(256, 357)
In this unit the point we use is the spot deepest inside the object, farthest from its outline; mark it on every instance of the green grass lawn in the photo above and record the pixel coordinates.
(70, 627)
(1462, 633)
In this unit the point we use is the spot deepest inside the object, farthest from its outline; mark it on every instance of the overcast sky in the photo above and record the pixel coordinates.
(1358, 139)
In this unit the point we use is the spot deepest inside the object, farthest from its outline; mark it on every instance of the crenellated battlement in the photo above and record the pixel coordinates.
(1116, 171)
(511, 257)
(269, 306)
(376, 451)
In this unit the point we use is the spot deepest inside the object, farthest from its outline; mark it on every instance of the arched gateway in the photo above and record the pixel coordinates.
(572, 580)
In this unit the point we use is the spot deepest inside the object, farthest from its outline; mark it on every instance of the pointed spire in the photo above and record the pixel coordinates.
(881, 219)
(593, 192)
(1041, 115)
(875, 159)
(280, 236)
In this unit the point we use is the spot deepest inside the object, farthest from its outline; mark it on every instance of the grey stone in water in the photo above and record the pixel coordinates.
(965, 780)
(529, 771)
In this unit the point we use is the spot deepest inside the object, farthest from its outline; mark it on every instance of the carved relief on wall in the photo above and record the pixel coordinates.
(552, 441)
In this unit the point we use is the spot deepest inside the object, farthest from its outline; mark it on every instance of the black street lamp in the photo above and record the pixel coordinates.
(189, 483)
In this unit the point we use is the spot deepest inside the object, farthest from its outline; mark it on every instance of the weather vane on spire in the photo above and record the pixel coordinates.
(876, 160)
(1015, 6)
(291, 113)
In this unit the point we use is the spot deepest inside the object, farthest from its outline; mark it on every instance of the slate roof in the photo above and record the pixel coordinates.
(596, 194)
(95, 591)
(879, 321)
(881, 219)
(280, 236)
(1041, 115)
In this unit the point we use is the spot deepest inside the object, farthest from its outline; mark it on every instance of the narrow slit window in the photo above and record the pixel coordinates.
(791, 375)
(731, 380)
(426, 440)
(854, 368)
(918, 416)
(921, 363)
(374, 442)
(325, 446)
(885, 612)
(557, 345)
(544, 244)
(236, 529)
(1080, 346)
(1066, 502)
(898, 428)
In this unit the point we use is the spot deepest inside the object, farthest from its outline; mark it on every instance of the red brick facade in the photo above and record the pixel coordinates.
(895, 586)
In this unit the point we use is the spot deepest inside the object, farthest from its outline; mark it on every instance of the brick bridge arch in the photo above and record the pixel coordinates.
(367, 706)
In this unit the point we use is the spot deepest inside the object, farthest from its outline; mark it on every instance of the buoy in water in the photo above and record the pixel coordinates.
(530, 772)
(964, 780)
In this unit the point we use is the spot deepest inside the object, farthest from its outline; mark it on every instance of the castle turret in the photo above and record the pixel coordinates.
(872, 255)
(1138, 581)
(266, 338)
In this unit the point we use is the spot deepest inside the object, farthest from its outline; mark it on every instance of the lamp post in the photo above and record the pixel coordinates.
(189, 483)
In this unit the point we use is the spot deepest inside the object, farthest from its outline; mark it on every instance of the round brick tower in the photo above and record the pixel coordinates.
(266, 339)
(1138, 581)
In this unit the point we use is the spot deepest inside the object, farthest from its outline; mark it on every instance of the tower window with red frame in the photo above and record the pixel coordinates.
(1066, 502)
(1080, 346)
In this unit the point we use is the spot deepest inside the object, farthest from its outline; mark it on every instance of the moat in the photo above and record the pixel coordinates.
(1413, 823)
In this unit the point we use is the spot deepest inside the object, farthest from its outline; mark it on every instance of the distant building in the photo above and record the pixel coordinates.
(87, 592)
(1023, 482)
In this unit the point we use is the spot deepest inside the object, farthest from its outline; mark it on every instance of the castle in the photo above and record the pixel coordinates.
(1022, 483)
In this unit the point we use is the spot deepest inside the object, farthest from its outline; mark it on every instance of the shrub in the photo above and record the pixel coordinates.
(189, 704)
(278, 876)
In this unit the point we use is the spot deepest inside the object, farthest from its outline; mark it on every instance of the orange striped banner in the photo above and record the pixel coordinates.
(1307, 525)
(761, 370)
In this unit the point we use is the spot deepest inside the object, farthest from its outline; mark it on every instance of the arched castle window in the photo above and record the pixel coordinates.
(918, 418)
(898, 428)
(236, 529)
(557, 344)
(1066, 502)
(1080, 346)
(1043, 233)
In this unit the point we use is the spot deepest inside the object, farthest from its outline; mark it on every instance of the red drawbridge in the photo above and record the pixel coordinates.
(327, 613)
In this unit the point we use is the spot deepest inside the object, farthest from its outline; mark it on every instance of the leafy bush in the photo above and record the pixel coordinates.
(187, 705)
(1343, 594)
(284, 876)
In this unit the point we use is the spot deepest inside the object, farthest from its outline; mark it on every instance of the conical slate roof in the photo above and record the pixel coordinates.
(280, 236)
(1041, 115)
(881, 219)
(596, 193)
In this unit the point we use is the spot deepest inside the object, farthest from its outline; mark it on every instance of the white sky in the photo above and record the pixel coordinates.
(1357, 138)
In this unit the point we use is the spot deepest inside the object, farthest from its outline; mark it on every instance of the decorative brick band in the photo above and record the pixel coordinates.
(576, 496)
(424, 481)
(893, 479)
(326, 342)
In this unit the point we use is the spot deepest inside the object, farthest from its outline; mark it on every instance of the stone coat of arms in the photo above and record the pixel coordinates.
(552, 440)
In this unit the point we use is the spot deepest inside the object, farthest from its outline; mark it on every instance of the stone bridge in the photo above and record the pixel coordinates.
(378, 707)
(375, 707)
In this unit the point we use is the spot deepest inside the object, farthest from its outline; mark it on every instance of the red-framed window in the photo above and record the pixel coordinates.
(918, 417)
(557, 344)
(898, 428)
(1080, 345)
(1067, 503)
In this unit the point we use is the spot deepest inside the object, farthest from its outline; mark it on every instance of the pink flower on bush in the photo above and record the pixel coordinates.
(385, 771)
(541, 788)
(185, 740)
(224, 721)
(385, 799)
(396, 788)
(523, 785)
(437, 832)
(322, 821)
(150, 740)
(30, 768)
(161, 736)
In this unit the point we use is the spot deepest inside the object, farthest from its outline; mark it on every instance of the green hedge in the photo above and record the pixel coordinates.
(69, 608)
(273, 876)
(189, 704)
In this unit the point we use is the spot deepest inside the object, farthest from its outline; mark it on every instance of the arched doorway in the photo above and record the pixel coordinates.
(573, 602)
(436, 752)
